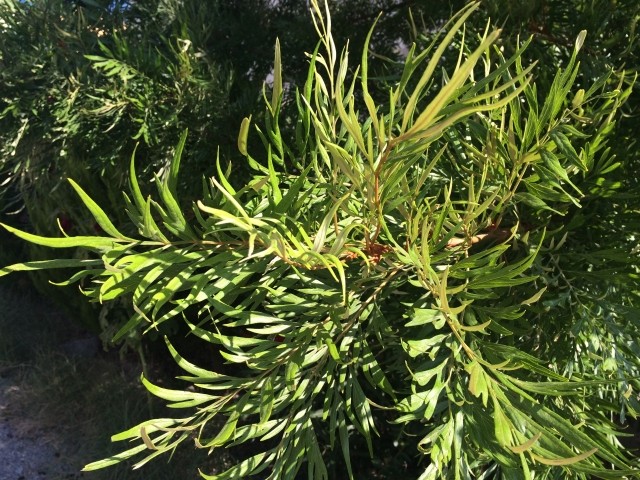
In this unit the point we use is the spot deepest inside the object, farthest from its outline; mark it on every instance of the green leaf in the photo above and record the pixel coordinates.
(174, 166)
(344, 443)
(114, 459)
(526, 445)
(150, 426)
(242, 136)
(565, 146)
(422, 316)
(225, 432)
(433, 62)
(477, 381)
(277, 82)
(266, 400)
(173, 218)
(48, 264)
(291, 373)
(425, 345)
(563, 461)
(182, 398)
(502, 427)
(101, 243)
(446, 94)
(134, 187)
(98, 213)
(533, 299)
(580, 40)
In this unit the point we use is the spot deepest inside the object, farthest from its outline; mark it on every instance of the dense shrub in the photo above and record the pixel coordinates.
(404, 261)
(83, 84)
(76, 75)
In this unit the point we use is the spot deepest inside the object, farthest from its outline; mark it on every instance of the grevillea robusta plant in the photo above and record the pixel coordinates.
(395, 265)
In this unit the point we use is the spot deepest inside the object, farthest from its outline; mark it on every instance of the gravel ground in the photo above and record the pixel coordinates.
(25, 452)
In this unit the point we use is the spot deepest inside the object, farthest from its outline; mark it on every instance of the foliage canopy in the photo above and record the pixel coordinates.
(399, 259)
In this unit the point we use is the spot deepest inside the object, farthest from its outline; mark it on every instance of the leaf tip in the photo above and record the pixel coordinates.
(580, 40)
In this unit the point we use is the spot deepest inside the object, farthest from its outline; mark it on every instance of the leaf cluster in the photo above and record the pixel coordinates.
(398, 256)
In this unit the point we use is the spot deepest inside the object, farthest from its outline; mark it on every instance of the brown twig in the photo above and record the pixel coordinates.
(499, 234)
